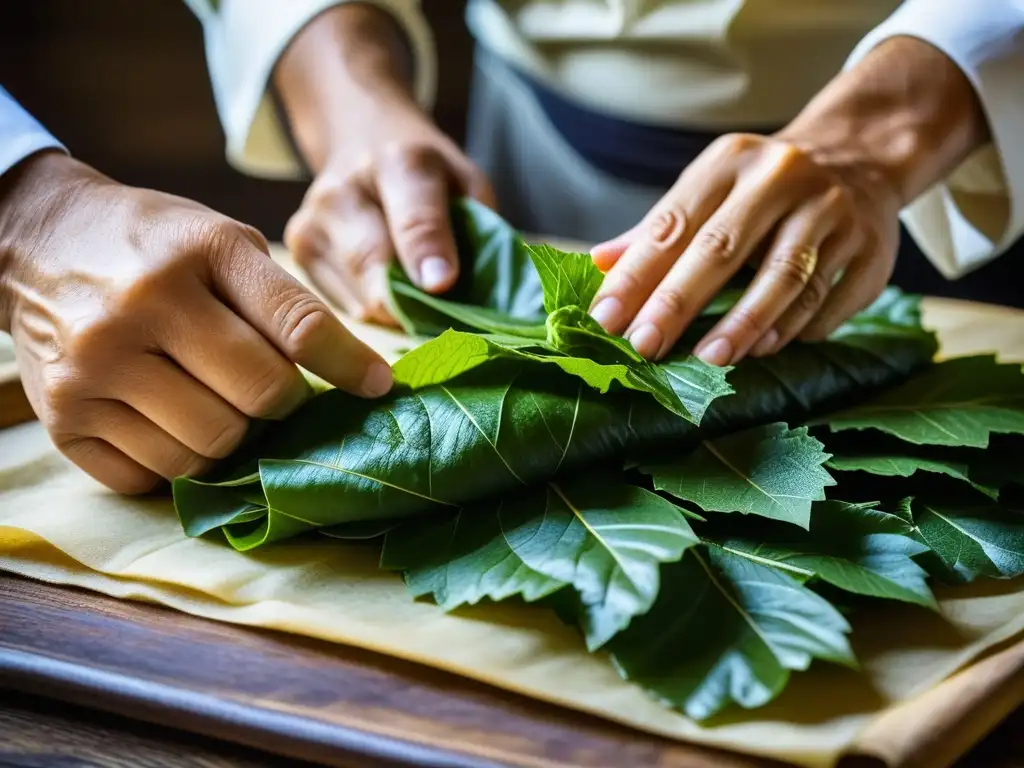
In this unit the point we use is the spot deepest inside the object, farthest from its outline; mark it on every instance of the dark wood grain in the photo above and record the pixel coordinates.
(295, 697)
(37, 732)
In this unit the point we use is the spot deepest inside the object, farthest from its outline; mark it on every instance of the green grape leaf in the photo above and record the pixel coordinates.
(771, 471)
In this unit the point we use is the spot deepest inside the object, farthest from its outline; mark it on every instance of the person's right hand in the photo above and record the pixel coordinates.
(384, 171)
(384, 197)
(149, 329)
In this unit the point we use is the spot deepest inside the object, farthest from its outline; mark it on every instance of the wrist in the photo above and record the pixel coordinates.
(345, 73)
(903, 118)
(33, 195)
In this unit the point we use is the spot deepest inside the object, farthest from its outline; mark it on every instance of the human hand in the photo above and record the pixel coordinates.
(755, 199)
(815, 205)
(384, 172)
(148, 328)
(378, 200)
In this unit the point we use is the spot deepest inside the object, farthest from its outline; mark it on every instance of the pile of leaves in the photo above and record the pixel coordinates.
(688, 519)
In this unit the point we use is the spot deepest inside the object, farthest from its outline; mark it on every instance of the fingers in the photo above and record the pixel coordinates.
(715, 254)
(607, 254)
(789, 265)
(343, 242)
(835, 254)
(109, 466)
(861, 284)
(647, 259)
(294, 321)
(130, 434)
(227, 355)
(189, 412)
(413, 187)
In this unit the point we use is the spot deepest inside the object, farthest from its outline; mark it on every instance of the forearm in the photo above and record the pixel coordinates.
(348, 67)
(905, 113)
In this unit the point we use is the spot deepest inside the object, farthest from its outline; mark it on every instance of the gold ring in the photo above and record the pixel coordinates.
(808, 260)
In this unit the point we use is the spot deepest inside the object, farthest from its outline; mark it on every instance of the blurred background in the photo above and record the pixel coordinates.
(123, 83)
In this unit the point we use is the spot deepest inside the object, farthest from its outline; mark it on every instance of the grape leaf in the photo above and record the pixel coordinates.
(770, 471)
(688, 392)
(852, 546)
(960, 402)
(605, 538)
(471, 555)
(890, 465)
(498, 289)
(984, 541)
(726, 629)
(568, 279)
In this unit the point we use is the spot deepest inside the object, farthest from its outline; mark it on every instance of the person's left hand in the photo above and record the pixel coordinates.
(805, 217)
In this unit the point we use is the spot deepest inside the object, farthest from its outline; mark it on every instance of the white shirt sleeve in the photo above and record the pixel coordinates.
(978, 211)
(245, 38)
(20, 134)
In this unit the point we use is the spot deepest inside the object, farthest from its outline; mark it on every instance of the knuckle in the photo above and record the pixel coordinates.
(189, 464)
(331, 193)
(749, 323)
(667, 228)
(420, 227)
(813, 294)
(224, 438)
(264, 391)
(669, 301)
(734, 144)
(304, 238)
(623, 282)
(785, 156)
(303, 320)
(794, 265)
(715, 244)
(409, 157)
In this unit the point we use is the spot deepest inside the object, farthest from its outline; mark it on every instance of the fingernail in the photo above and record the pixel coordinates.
(718, 352)
(435, 273)
(378, 380)
(646, 340)
(766, 345)
(608, 312)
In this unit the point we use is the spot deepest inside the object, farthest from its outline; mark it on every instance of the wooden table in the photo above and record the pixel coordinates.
(267, 691)
(83, 677)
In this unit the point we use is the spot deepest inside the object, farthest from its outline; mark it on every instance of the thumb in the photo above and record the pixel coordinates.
(298, 323)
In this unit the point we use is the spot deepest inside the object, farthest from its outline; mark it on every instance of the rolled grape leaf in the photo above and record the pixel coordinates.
(854, 547)
(960, 402)
(579, 347)
(500, 428)
(893, 465)
(771, 471)
(984, 541)
(603, 537)
(726, 629)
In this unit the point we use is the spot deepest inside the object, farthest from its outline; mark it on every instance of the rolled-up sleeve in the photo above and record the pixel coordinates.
(21, 134)
(972, 216)
(245, 38)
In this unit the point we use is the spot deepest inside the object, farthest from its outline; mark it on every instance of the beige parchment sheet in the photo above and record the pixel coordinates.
(57, 525)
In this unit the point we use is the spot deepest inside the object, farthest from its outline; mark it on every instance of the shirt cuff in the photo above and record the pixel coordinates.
(244, 40)
(977, 212)
(21, 134)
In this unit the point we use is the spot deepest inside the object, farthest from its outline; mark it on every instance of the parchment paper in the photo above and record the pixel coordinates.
(57, 525)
